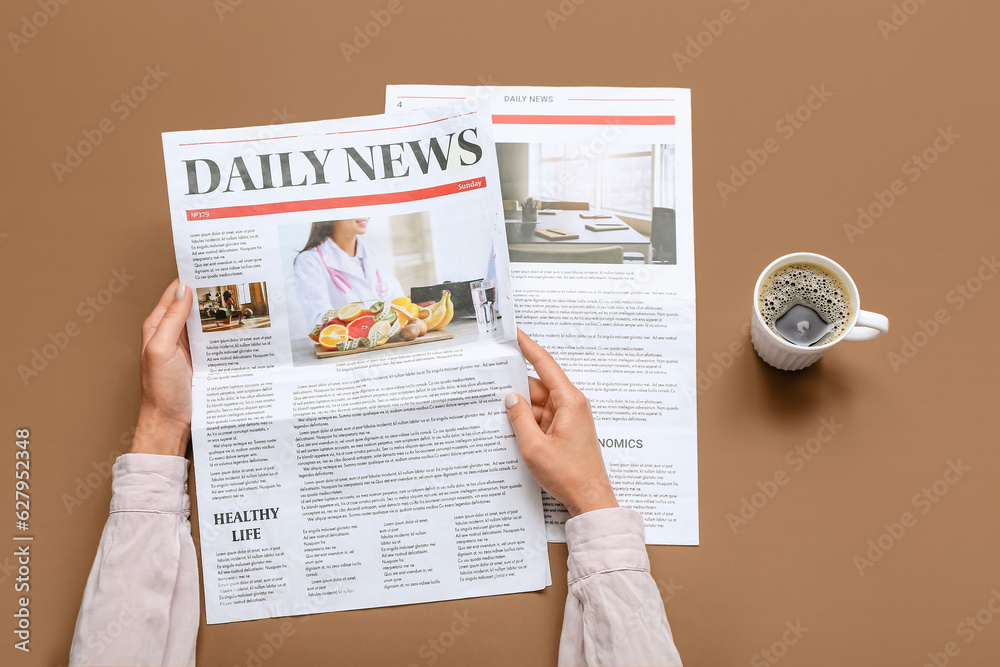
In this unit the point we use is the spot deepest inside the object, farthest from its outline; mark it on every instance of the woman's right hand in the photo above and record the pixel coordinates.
(557, 437)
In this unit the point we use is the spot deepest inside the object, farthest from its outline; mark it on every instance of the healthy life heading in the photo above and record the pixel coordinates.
(313, 167)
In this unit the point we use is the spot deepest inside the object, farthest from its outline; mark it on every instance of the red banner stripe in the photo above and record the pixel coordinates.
(583, 120)
(336, 202)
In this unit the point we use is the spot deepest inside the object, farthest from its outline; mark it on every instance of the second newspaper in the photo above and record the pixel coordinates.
(352, 339)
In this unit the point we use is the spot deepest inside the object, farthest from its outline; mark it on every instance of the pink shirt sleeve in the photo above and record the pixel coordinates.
(140, 606)
(614, 614)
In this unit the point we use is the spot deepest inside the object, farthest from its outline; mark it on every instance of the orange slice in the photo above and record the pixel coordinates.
(403, 301)
(331, 335)
(351, 311)
(402, 315)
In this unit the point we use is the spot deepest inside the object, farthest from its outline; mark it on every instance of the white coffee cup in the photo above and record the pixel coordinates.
(786, 356)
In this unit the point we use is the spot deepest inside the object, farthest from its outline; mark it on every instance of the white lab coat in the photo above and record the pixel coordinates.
(364, 277)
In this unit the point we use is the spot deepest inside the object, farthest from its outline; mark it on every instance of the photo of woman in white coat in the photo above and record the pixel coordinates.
(337, 267)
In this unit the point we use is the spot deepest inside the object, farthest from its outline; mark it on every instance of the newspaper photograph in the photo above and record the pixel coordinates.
(352, 340)
(598, 207)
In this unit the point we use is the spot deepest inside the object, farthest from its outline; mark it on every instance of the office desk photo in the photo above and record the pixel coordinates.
(629, 240)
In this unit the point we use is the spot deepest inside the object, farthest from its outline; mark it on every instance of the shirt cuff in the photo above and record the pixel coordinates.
(605, 540)
(150, 483)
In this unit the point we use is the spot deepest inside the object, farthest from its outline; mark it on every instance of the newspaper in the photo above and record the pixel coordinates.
(347, 456)
(597, 195)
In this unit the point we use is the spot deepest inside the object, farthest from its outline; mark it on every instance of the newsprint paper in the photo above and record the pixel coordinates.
(597, 193)
(346, 456)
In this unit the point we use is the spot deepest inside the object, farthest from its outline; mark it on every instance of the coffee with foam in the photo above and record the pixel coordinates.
(824, 307)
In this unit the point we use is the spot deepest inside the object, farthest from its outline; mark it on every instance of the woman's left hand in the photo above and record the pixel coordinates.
(164, 425)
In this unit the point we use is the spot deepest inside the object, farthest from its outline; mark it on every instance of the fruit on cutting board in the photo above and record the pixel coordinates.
(354, 326)
(359, 327)
(441, 312)
(386, 314)
(331, 335)
(402, 315)
(352, 311)
(410, 332)
(451, 312)
(379, 332)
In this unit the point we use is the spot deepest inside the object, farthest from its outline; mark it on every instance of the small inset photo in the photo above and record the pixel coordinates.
(390, 285)
(230, 307)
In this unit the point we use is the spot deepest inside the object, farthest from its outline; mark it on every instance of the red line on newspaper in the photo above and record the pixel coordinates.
(583, 120)
(239, 141)
(336, 202)
(620, 99)
(297, 136)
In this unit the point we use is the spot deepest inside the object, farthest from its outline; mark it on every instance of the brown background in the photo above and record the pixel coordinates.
(726, 599)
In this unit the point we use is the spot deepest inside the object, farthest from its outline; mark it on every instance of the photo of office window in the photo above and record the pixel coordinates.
(570, 203)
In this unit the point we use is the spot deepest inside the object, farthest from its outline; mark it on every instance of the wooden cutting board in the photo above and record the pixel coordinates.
(429, 337)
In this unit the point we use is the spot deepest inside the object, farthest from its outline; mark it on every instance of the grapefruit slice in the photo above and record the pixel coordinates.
(359, 327)
(331, 335)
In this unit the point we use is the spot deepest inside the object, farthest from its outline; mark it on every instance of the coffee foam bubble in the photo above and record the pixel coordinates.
(810, 285)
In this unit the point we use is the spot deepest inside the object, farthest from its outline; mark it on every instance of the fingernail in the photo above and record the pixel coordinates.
(180, 290)
(510, 400)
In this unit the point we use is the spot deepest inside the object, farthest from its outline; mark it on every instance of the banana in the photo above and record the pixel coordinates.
(443, 312)
(438, 311)
(449, 314)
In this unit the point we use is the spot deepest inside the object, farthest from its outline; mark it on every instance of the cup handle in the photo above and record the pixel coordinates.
(868, 327)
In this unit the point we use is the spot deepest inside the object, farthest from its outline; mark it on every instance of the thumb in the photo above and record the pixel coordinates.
(522, 419)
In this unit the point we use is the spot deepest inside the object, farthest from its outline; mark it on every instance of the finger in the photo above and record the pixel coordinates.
(171, 325)
(547, 368)
(538, 411)
(153, 320)
(522, 419)
(548, 416)
(537, 391)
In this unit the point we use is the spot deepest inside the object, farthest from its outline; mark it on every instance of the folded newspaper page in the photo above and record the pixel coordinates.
(597, 193)
(352, 339)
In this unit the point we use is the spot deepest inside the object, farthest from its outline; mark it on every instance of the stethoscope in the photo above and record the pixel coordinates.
(342, 282)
